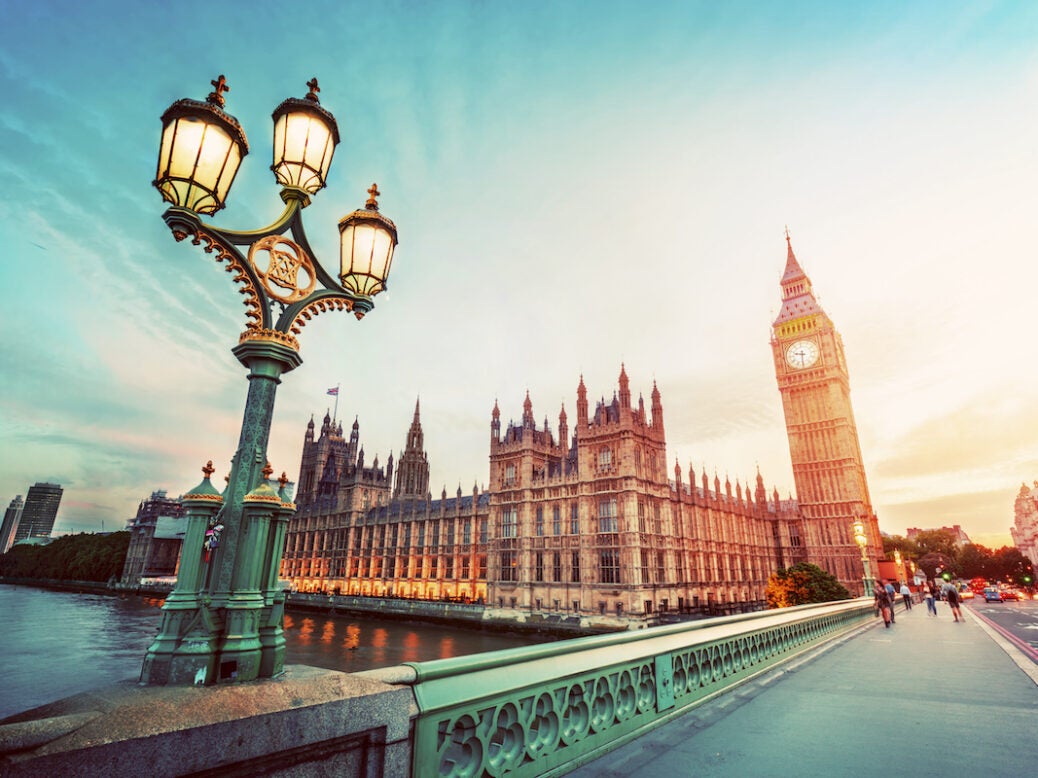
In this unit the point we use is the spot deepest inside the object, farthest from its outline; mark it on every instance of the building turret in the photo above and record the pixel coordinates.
(581, 406)
(657, 411)
(495, 424)
(563, 428)
(528, 422)
(625, 389)
(412, 479)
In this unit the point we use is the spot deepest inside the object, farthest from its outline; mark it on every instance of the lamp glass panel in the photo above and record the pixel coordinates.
(302, 151)
(197, 163)
(366, 255)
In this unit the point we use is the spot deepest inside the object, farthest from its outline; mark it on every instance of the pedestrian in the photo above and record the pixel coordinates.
(884, 606)
(906, 595)
(892, 596)
(951, 594)
(931, 606)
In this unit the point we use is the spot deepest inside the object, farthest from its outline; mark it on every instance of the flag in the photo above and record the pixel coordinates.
(334, 391)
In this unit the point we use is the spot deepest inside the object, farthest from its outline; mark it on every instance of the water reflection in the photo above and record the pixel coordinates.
(60, 643)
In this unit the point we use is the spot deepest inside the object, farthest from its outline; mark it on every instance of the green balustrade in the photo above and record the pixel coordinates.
(544, 710)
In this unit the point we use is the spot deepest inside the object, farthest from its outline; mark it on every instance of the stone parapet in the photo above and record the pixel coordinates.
(306, 722)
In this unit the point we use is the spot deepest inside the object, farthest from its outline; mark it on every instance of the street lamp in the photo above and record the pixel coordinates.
(863, 542)
(223, 620)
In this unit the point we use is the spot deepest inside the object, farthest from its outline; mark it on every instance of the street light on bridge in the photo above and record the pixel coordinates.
(223, 620)
(863, 542)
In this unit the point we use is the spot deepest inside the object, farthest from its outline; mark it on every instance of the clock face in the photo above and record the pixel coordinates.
(801, 354)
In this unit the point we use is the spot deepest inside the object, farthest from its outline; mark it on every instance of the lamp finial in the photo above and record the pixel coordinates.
(314, 89)
(208, 469)
(372, 203)
(219, 87)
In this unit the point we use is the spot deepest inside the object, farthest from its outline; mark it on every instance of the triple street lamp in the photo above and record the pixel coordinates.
(223, 620)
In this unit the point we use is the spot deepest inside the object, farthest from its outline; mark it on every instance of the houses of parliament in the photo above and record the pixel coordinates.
(589, 520)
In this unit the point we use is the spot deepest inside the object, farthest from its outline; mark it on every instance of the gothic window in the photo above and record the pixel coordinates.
(657, 525)
(483, 531)
(482, 561)
(509, 522)
(661, 568)
(509, 474)
(574, 519)
(556, 520)
(466, 532)
(538, 566)
(641, 516)
(607, 520)
(609, 566)
(556, 567)
(574, 567)
(605, 458)
(539, 523)
(509, 567)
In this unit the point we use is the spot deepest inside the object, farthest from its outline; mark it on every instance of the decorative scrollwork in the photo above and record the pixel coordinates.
(330, 303)
(276, 336)
(253, 309)
(288, 273)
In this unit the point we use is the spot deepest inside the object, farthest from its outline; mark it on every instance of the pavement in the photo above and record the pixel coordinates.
(925, 697)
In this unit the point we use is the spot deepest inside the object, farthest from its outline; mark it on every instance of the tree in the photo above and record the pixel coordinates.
(936, 541)
(84, 557)
(801, 584)
(973, 561)
(930, 563)
(1008, 564)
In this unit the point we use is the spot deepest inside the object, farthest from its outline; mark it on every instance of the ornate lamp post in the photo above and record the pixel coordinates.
(223, 620)
(863, 544)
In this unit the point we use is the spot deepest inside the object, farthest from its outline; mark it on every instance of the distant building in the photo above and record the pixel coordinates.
(156, 536)
(961, 538)
(41, 508)
(1025, 522)
(12, 516)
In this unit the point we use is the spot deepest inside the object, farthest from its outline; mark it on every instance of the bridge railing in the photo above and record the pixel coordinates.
(546, 709)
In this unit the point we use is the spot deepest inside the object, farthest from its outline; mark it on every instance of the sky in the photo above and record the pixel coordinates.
(577, 186)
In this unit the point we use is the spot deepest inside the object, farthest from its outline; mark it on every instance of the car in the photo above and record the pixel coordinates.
(966, 594)
(1010, 594)
(991, 594)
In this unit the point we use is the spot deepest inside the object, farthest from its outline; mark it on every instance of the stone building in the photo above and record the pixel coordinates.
(587, 520)
(156, 537)
(1025, 522)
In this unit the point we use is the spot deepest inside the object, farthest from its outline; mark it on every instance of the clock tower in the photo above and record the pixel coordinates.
(828, 470)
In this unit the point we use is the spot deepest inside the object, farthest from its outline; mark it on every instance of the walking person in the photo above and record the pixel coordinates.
(884, 605)
(951, 594)
(892, 596)
(906, 595)
(931, 606)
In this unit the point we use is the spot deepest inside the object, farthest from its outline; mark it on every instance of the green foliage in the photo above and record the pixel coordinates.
(85, 557)
(801, 584)
(936, 541)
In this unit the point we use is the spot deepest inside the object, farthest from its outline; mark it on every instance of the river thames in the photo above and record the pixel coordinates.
(56, 644)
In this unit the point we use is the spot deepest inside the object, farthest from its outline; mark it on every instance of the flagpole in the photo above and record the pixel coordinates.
(335, 413)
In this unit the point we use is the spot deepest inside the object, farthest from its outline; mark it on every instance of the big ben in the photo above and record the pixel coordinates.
(832, 491)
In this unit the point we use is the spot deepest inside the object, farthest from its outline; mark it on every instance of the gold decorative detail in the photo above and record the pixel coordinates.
(219, 87)
(331, 303)
(283, 480)
(372, 203)
(314, 89)
(281, 276)
(274, 336)
(208, 470)
(267, 471)
(209, 245)
(206, 497)
(273, 499)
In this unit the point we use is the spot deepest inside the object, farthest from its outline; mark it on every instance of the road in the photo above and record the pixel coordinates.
(1018, 621)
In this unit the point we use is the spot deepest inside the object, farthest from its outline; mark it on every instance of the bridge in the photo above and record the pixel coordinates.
(809, 690)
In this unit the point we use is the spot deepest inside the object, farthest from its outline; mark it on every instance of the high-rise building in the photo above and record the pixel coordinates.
(828, 469)
(12, 516)
(41, 508)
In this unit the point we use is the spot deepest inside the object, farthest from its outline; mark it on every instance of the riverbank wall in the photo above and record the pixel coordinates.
(475, 616)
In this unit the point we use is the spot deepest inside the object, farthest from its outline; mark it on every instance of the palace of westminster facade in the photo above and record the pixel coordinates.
(587, 520)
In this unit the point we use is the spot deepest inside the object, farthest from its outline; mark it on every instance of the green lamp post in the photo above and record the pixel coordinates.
(863, 544)
(223, 620)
